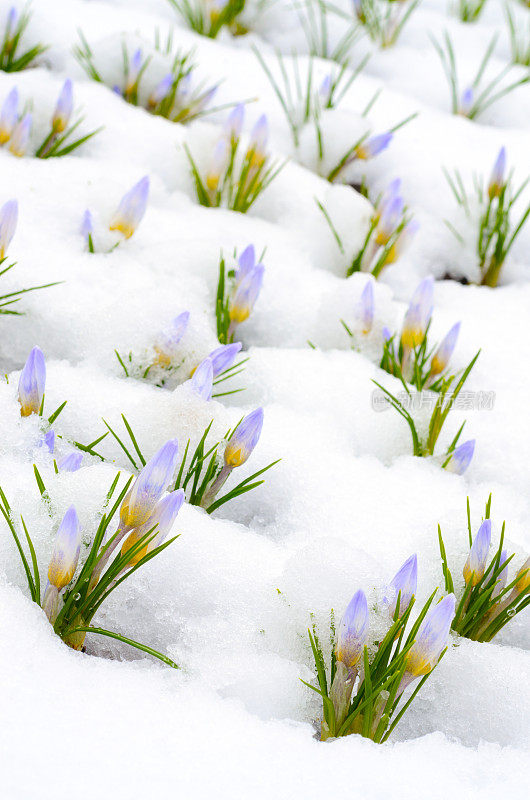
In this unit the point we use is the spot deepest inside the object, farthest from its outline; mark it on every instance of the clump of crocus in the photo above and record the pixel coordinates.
(488, 599)
(70, 601)
(13, 57)
(165, 358)
(238, 289)
(240, 168)
(481, 93)
(15, 130)
(363, 689)
(126, 218)
(175, 95)
(489, 213)
(382, 20)
(365, 149)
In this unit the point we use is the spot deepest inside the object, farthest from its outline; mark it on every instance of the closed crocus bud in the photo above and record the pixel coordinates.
(386, 333)
(246, 262)
(9, 115)
(244, 439)
(32, 383)
(502, 577)
(234, 122)
(258, 141)
(11, 22)
(445, 350)
(353, 628)
(131, 208)
(367, 307)
(372, 146)
(133, 72)
(151, 483)
(66, 550)
(475, 565)
(87, 226)
(168, 340)
(48, 440)
(8, 225)
(223, 357)
(389, 219)
(64, 107)
(403, 586)
(19, 141)
(418, 314)
(497, 179)
(324, 90)
(202, 380)
(70, 462)
(461, 457)
(523, 578)
(431, 638)
(161, 90)
(246, 294)
(159, 525)
(402, 241)
(466, 102)
(219, 161)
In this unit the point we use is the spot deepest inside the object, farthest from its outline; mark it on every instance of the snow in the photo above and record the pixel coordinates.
(230, 600)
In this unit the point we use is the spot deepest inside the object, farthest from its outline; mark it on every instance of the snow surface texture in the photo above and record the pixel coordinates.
(230, 600)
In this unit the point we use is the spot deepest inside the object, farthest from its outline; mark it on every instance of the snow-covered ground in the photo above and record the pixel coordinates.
(347, 504)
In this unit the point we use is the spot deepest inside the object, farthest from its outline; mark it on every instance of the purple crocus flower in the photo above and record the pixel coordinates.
(32, 383)
(244, 439)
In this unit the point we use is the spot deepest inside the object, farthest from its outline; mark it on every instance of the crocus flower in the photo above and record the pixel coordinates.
(66, 550)
(246, 262)
(70, 462)
(431, 638)
(244, 439)
(502, 577)
(168, 340)
(9, 115)
(403, 585)
(475, 565)
(367, 307)
(8, 224)
(223, 357)
(87, 226)
(386, 333)
(64, 107)
(461, 457)
(402, 241)
(48, 440)
(202, 379)
(466, 102)
(351, 635)
(418, 314)
(219, 160)
(158, 525)
(523, 578)
(133, 71)
(258, 141)
(444, 350)
(246, 295)
(31, 383)
(234, 122)
(497, 179)
(11, 22)
(324, 90)
(389, 219)
(373, 146)
(19, 141)
(140, 501)
(131, 208)
(161, 90)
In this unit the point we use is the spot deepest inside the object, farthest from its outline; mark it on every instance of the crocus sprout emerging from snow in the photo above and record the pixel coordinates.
(169, 339)
(431, 638)
(18, 144)
(372, 146)
(141, 499)
(403, 586)
(131, 209)
(202, 379)
(8, 224)
(475, 565)
(497, 180)
(353, 628)
(63, 109)
(418, 315)
(159, 525)
(244, 439)
(31, 383)
(461, 457)
(9, 115)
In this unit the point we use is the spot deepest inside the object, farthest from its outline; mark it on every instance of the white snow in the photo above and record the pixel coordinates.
(230, 600)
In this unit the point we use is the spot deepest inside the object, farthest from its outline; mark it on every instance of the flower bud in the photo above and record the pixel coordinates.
(475, 565)
(244, 439)
(66, 550)
(352, 632)
(32, 383)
